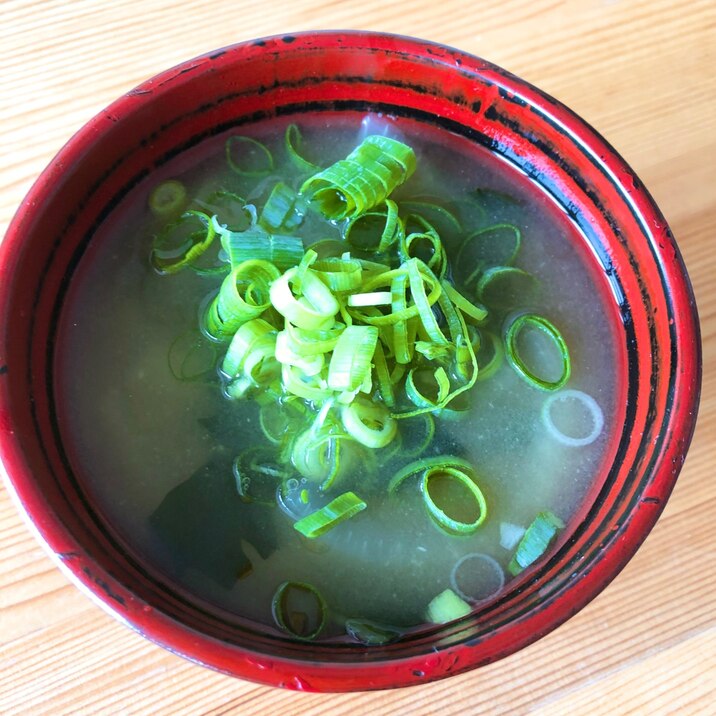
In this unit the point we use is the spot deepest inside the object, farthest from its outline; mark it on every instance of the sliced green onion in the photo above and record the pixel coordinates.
(167, 199)
(244, 294)
(444, 220)
(277, 418)
(374, 298)
(181, 242)
(313, 310)
(192, 357)
(385, 385)
(340, 275)
(427, 463)
(336, 511)
(417, 434)
(418, 275)
(494, 360)
(515, 360)
(293, 141)
(433, 479)
(248, 157)
(505, 286)
(362, 180)
(535, 541)
(426, 388)
(306, 342)
(312, 388)
(283, 209)
(252, 336)
(369, 423)
(320, 456)
(288, 604)
(282, 251)
(230, 210)
(374, 230)
(309, 365)
(495, 245)
(352, 356)
(370, 633)
(476, 312)
(258, 475)
(446, 607)
(426, 234)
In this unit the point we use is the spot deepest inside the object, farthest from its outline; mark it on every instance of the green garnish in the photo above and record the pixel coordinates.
(167, 199)
(248, 157)
(352, 348)
(535, 541)
(515, 358)
(336, 511)
(299, 609)
(446, 607)
(436, 480)
(361, 181)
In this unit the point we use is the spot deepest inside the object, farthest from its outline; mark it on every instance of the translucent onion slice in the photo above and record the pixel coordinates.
(589, 404)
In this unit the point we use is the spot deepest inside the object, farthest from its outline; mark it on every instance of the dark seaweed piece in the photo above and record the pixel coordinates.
(202, 522)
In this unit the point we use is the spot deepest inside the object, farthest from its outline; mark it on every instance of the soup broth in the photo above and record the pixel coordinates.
(155, 440)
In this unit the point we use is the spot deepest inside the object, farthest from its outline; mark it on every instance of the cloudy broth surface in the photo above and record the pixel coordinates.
(156, 452)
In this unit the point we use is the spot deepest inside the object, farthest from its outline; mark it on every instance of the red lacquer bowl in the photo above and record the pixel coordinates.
(624, 234)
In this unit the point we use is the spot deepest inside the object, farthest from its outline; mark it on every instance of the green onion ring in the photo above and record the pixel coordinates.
(278, 608)
(514, 359)
(443, 520)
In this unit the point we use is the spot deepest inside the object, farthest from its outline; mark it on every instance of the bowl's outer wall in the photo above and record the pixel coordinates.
(633, 250)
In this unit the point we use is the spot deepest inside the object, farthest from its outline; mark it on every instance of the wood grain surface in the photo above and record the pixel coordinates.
(642, 72)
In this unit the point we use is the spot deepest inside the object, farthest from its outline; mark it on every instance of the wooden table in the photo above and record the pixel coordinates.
(643, 74)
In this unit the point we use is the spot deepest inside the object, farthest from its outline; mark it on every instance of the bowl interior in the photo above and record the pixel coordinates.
(628, 242)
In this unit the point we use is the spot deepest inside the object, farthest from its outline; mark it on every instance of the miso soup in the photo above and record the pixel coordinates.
(340, 375)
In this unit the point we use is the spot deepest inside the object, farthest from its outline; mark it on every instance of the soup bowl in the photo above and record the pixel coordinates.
(621, 232)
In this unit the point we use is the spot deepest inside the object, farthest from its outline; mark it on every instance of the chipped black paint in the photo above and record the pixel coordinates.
(105, 587)
(218, 54)
(651, 500)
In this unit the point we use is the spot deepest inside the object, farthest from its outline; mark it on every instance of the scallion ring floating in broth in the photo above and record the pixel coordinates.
(442, 478)
(288, 605)
(515, 359)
